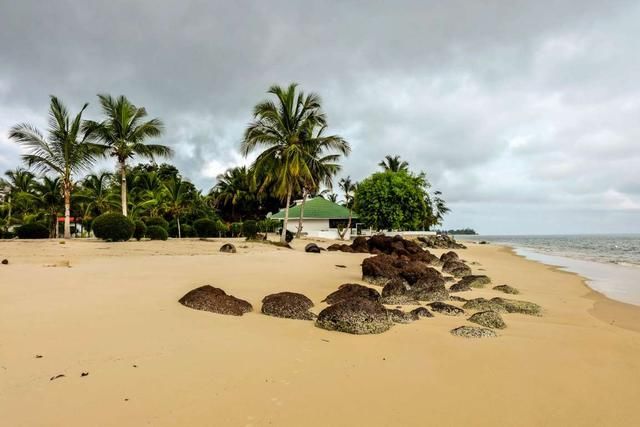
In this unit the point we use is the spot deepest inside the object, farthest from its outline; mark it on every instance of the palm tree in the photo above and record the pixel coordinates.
(282, 127)
(441, 208)
(348, 188)
(20, 190)
(97, 194)
(123, 132)
(177, 198)
(50, 198)
(233, 189)
(67, 149)
(393, 164)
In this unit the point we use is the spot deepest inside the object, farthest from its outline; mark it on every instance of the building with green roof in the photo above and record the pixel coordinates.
(322, 218)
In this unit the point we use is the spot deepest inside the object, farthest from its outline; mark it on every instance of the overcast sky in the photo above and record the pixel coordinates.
(525, 114)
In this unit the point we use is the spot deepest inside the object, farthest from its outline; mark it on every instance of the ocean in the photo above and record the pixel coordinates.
(610, 263)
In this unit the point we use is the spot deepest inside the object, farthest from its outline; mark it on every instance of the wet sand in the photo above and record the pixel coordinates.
(111, 310)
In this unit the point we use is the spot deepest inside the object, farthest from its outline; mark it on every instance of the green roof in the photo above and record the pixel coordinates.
(316, 208)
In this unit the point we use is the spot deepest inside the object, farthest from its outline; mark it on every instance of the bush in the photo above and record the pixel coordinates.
(250, 229)
(155, 232)
(140, 230)
(33, 230)
(205, 227)
(113, 227)
(7, 234)
(159, 221)
(236, 229)
(222, 227)
(186, 230)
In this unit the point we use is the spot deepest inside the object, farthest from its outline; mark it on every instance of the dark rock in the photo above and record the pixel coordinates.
(483, 304)
(355, 316)
(421, 312)
(517, 306)
(429, 290)
(289, 305)
(379, 269)
(483, 242)
(457, 298)
(473, 332)
(395, 292)
(360, 245)
(441, 241)
(456, 268)
(312, 248)
(5, 261)
(341, 266)
(346, 248)
(399, 316)
(416, 270)
(475, 281)
(506, 289)
(426, 257)
(490, 319)
(380, 242)
(446, 309)
(215, 300)
(334, 247)
(459, 287)
(351, 290)
(228, 248)
(449, 256)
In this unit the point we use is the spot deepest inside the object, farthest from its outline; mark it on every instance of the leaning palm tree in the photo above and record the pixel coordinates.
(67, 149)
(282, 128)
(348, 188)
(393, 164)
(123, 132)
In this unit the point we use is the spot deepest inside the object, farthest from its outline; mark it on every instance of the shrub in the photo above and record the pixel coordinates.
(113, 227)
(33, 230)
(250, 229)
(140, 230)
(7, 234)
(205, 227)
(155, 232)
(186, 230)
(236, 229)
(159, 221)
(221, 227)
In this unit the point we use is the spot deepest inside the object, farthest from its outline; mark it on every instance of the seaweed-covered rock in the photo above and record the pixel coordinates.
(312, 248)
(475, 280)
(490, 319)
(459, 287)
(429, 290)
(350, 290)
(416, 271)
(425, 257)
(457, 298)
(334, 247)
(399, 316)
(421, 312)
(506, 289)
(360, 245)
(289, 305)
(379, 269)
(355, 316)
(396, 292)
(483, 304)
(456, 268)
(441, 241)
(473, 332)
(449, 256)
(517, 306)
(228, 248)
(446, 309)
(215, 300)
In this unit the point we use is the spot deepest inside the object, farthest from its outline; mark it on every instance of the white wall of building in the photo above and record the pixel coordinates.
(315, 228)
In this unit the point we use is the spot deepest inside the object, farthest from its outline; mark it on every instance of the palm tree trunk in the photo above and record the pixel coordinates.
(67, 211)
(123, 187)
(304, 199)
(178, 221)
(349, 222)
(283, 236)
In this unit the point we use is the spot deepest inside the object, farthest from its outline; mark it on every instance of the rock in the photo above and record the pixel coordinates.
(483, 242)
(441, 241)
(449, 256)
(351, 290)
(312, 248)
(380, 242)
(396, 292)
(355, 316)
(399, 316)
(483, 304)
(475, 281)
(346, 248)
(473, 332)
(421, 312)
(506, 289)
(457, 298)
(456, 268)
(228, 248)
(517, 306)
(429, 290)
(379, 269)
(446, 309)
(459, 287)
(426, 257)
(215, 300)
(334, 247)
(490, 319)
(289, 305)
(360, 245)
(5, 261)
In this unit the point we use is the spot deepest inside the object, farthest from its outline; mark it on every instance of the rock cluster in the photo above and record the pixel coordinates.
(441, 241)
(456, 268)
(289, 305)
(215, 300)
(379, 244)
(352, 290)
(504, 305)
(355, 316)
(446, 309)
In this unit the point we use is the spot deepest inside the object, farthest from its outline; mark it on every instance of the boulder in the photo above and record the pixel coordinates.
(421, 312)
(399, 316)
(228, 248)
(483, 304)
(441, 241)
(425, 257)
(456, 268)
(517, 306)
(475, 280)
(457, 298)
(355, 316)
(312, 248)
(396, 292)
(215, 300)
(5, 261)
(506, 289)
(446, 309)
(459, 287)
(289, 305)
(429, 290)
(379, 269)
(473, 332)
(351, 290)
(360, 245)
(449, 256)
(490, 319)
(380, 242)
(334, 247)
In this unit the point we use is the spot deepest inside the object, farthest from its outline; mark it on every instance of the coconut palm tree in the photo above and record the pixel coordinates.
(67, 149)
(123, 133)
(234, 189)
(19, 187)
(283, 129)
(393, 164)
(348, 187)
(96, 193)
(50, 198)
(177, 200)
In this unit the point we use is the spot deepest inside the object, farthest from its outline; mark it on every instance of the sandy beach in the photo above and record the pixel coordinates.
(111, 310)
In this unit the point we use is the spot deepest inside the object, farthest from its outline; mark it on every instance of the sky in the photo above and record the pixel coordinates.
(525, 114)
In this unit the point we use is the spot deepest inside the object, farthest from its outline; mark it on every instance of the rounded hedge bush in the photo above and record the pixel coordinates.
(140, 230)
(113, 227)
(33, 230)
(186, 230)
(155, 232)
(204, 227)
(250, 229)
(159, 221)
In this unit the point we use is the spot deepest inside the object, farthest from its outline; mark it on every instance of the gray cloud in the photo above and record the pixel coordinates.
(525, 114)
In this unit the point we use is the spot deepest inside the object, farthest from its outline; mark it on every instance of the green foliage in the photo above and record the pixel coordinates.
(392, 201)
(33, 230)
(250, 229)
(113, 227)
(159, 221)
(205, 227)
(236, 229)
(268, 225)
(155, 232)
(140, 230)
(187, 230)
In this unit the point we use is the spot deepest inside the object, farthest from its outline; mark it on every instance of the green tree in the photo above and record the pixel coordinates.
(234, 191)
(393, 164)
(96, 193)
(66, 150)
(348, 187)
(50, 199)
(123, 134)
(177, 200)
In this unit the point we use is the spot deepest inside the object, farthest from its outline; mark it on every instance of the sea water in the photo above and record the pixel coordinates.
(610, 263)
